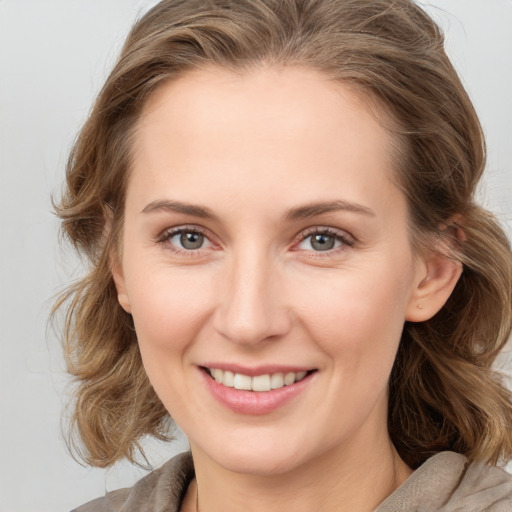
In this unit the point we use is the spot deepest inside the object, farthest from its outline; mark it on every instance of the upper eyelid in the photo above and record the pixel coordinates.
(341, 233)
(167, 232)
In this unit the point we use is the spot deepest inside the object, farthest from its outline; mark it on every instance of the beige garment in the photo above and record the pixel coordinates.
(447, 483)
(444, 483)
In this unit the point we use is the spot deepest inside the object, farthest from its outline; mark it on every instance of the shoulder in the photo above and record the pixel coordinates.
(160, 488)
(447, 482)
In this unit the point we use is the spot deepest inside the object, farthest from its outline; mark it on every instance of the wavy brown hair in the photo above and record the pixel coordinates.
(443, 393)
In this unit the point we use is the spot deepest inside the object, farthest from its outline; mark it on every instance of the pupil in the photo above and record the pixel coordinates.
(322, 242)
(191, 240)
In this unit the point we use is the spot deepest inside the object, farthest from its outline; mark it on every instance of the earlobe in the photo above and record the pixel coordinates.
(438, 275)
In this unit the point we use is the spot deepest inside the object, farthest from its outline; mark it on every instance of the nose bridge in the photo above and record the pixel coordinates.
(252, 308)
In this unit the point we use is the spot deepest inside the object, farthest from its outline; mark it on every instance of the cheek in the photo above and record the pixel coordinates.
(168, 308)
(356, 317)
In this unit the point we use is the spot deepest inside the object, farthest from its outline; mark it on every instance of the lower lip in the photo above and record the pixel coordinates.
(254, 402)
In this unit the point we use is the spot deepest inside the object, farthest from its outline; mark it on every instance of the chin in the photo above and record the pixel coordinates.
(259, 465)
(255, 456)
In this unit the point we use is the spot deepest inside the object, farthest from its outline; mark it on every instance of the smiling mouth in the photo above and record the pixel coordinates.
(258, 383)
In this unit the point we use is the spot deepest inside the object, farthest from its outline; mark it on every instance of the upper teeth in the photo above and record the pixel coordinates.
(257, 383)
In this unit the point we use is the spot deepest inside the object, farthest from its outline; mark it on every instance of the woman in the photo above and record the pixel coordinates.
(276, 197)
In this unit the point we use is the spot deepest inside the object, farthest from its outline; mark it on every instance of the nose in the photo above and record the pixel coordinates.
(252, 306)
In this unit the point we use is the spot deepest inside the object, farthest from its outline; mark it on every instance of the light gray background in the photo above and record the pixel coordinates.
(54, 55)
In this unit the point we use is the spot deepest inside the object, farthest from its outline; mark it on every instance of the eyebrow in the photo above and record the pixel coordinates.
(314, 209)
(179, 207)
(297, 213)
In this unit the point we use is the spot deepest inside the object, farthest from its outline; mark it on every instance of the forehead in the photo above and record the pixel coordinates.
(216, 132)
(286, 99)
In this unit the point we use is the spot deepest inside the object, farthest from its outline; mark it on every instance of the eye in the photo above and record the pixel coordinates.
(189, 240)
(323, 240)
(185, 240)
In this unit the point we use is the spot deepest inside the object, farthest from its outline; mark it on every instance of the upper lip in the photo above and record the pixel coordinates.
(253, 371)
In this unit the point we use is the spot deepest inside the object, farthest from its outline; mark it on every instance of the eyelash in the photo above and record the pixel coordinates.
(166, 237)
(346, 241)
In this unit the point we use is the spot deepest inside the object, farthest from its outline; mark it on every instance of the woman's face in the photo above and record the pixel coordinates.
(266, 244)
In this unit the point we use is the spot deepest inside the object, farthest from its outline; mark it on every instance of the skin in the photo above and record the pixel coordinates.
(252, 148)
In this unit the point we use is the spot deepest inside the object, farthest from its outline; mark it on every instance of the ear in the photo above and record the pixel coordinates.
(119, 280)
(116, 267)
(436, 277)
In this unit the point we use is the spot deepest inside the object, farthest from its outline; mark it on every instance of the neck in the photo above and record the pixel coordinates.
(344, 479)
